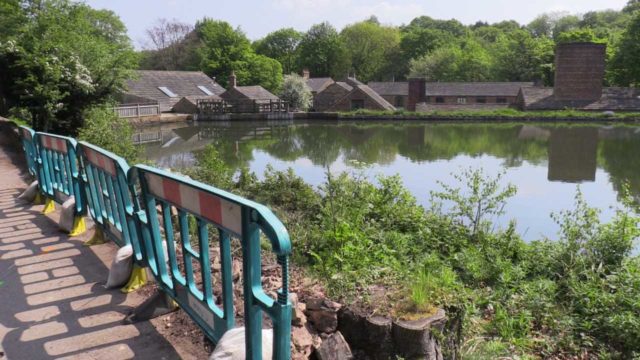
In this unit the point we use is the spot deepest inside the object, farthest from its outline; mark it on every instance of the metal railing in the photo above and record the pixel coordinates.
(171, 222)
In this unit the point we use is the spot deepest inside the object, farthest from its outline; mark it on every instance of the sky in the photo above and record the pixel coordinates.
(259, 17)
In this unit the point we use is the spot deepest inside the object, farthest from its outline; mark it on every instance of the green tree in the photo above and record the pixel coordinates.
(225, 50)
(468, 61)
(281, 45)
(632, 6)
(579, 35)
(521, 57)
(371, 47)
(296, 91)
(323, 52)
(104, 128)
(261, 70)
(65, 58)
(625, 68)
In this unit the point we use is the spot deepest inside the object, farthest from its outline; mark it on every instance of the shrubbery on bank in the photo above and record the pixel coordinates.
(574, 295)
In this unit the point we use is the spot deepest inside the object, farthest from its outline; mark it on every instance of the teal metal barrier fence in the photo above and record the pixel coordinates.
(229, 215)
(27, 136)
(109, 198)
(58, 169)
(161, 238)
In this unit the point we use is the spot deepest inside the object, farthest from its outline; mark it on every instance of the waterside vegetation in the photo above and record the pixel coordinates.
(372, 245)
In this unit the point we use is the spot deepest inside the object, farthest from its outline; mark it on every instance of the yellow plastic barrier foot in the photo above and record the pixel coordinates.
(49, 206)
(137, 280)
(38, 200)
(97, 238)
(79, 226)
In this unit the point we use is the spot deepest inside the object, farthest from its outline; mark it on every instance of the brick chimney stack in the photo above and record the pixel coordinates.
(233, 80)
(306, 74)
(579, 71)
(417, 92)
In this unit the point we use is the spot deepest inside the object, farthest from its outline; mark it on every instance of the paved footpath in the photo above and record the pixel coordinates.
(53, 304)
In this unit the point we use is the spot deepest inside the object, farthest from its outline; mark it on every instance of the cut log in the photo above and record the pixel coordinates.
(414, 339)
(379, 338)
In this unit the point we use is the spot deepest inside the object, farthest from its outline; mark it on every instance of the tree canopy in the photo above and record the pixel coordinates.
(63, 58)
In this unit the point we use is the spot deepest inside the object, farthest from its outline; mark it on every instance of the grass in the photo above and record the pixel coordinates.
(498, 113)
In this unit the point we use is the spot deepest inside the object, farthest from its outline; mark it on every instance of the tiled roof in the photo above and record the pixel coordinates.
(474, 88)
(353, 81)
(376, 97)
(613, 98)
(344, 85)
(146, 83)
(319, 84)
(400, 88)
(256, 92)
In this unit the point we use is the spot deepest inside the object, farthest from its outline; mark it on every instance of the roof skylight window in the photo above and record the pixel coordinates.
(167, 92)
(205, 90)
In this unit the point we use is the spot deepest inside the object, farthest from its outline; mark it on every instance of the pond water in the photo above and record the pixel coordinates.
(545, 162)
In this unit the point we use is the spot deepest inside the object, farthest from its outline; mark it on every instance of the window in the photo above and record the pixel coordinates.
(440, 100)
(501, 100)
(205, 90)
(399, 101)
(462, 100)
(357, 104)
(167, 92)
(481, 100)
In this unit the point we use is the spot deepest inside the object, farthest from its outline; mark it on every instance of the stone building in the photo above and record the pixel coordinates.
(324, 100)
(428, 96)
(349, 95)
(249, 99)
(578, 84)
(396, 93)
(167, 88)
(579, 78)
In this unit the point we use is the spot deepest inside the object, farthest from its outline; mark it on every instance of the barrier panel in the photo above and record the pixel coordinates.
(109, 200)
(230, 216)
(27, 136)
(134, 205)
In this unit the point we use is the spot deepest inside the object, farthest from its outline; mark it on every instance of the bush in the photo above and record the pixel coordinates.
(103, 128)
(296, 92)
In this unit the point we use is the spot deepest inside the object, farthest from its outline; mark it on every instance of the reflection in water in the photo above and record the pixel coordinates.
(572, 154)
(543, 161)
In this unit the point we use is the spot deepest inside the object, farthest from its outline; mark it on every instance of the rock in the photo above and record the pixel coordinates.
(334, 348)
(415, 338)
(321, 303)
(351, 325)
(236, 270)
(298, 318)
(323, 314)
(378, 330)
(302, 342)
(324, 320)
(608, 113)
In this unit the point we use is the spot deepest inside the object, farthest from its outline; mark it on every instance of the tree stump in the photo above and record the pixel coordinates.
(379, 338)
(414, 339)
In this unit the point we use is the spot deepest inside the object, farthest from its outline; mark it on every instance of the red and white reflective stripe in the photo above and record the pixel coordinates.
(100, 160)
(206, 205)
(55, 144)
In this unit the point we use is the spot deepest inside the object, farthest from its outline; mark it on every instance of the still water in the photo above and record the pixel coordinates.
(546, 162)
